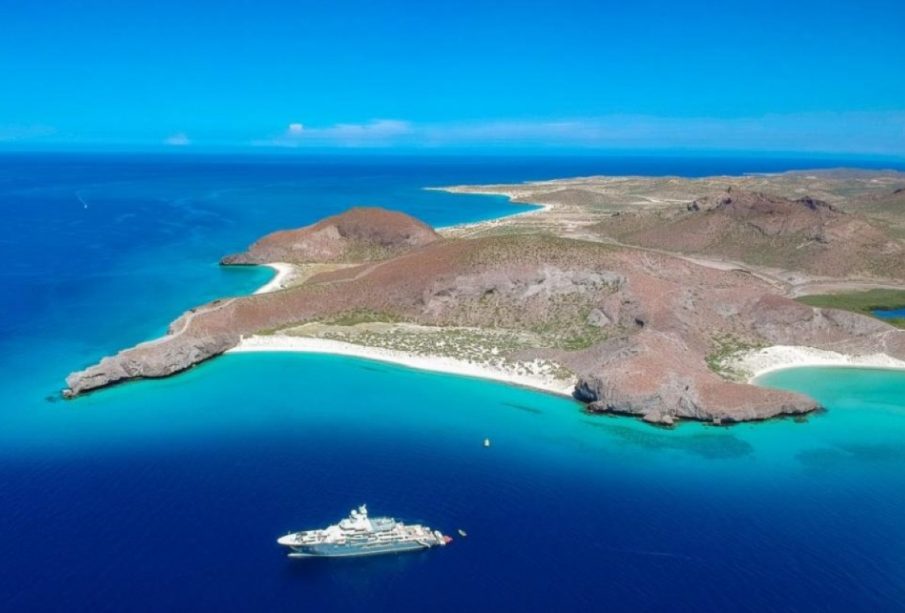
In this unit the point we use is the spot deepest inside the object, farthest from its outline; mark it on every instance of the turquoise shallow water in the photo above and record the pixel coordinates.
(864, 423)
(167, 495)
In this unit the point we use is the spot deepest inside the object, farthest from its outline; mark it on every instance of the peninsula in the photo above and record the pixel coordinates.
(656, 297)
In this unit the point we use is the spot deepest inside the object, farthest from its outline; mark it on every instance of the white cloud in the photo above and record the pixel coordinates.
(377, 130)
(851, 132)
(178, 140)
(847, 132)
(375, 133)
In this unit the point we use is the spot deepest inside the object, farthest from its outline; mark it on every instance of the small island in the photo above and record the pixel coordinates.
(656, 297)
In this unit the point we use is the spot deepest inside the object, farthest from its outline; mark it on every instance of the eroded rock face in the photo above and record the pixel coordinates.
(359, 234)
(769, 214)
(659, 379)
(538, 288)
(151, 360)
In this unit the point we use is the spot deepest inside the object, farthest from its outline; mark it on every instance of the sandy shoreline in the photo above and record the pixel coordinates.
(531, 375)
(757, 363)
(284, 274)
(538, 208)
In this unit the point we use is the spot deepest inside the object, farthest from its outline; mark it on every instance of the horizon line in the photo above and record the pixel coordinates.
(414, 151)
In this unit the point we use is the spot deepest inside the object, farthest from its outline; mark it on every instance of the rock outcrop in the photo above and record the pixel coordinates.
(149, 361)
(626, 382)
(185, 345)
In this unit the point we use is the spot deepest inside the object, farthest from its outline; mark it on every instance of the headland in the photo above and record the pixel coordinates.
(655, 297)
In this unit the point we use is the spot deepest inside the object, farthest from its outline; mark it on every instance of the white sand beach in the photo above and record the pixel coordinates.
(497, 221)
(754, 364)
(284, 274)
(535, 375)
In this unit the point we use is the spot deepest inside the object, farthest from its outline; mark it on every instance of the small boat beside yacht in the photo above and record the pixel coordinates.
(361, 535)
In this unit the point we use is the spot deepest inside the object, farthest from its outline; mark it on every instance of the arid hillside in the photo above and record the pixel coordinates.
(804, 234)
(886, 207)
(639, 330)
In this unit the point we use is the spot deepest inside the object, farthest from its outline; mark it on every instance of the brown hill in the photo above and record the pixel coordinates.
(359, 234)
(637, 328)
(804, 234)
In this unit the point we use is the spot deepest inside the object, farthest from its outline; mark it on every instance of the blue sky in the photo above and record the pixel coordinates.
(797, 75)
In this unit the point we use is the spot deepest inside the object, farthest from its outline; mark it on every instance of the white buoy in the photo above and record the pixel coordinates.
(487, 442)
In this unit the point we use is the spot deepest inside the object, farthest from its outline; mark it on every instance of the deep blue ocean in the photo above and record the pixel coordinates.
(168, 495)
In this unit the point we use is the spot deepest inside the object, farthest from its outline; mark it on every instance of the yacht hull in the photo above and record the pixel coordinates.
(345, 551)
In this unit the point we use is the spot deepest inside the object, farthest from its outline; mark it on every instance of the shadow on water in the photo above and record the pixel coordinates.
(714, 446)
(523, 407)
(826, 459)
(352, 568)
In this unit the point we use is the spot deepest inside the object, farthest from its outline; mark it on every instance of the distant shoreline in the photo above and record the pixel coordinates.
(536, 208)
